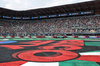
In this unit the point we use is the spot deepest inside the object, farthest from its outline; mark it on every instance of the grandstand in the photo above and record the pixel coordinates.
(69, 25)
(22, 32)
(79, 19)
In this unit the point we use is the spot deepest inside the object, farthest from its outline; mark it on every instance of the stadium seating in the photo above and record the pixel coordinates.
(83, 24)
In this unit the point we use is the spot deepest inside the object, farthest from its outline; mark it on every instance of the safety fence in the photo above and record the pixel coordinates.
(9, 37)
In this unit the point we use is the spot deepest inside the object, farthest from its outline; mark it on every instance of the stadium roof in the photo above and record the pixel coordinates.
(78, 7)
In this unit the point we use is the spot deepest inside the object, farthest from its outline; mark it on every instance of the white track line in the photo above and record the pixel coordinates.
(40, 64)
(90, 53)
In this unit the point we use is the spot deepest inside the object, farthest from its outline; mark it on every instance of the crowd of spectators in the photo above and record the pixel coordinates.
(83, 24)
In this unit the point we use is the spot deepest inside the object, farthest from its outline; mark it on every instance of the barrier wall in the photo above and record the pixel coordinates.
(27, 37)
(40, 36)
(17, 37)
(1, 37)
(48, 37)
(94, 36)
(83, 36)
(33, 36)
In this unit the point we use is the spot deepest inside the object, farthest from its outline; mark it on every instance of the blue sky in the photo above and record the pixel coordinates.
(34, 4)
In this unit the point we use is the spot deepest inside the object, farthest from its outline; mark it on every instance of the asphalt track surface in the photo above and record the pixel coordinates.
(23, 51)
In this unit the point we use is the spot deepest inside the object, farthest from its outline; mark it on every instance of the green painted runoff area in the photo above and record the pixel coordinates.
(78, 63)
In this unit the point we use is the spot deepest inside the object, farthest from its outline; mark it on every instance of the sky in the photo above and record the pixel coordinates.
(35, 4)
